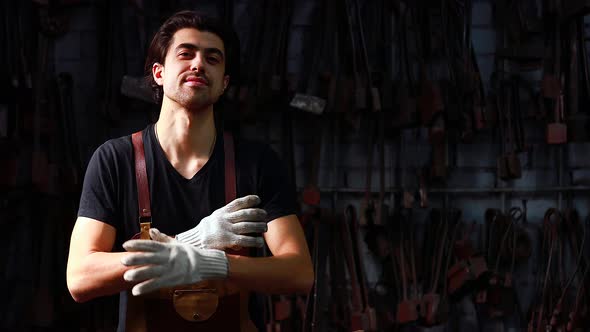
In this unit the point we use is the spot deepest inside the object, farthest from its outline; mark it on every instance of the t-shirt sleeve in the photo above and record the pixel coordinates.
(99, 192)
(277, 190)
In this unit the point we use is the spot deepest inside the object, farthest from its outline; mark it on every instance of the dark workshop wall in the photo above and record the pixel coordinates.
(56, 110)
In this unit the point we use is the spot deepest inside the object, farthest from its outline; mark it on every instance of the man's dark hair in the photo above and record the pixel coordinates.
(163, 39)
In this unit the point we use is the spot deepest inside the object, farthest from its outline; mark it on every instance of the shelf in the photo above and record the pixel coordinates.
(463, 190)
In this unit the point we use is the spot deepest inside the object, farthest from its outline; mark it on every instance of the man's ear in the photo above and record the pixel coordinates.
(225, 82)
(157, 70)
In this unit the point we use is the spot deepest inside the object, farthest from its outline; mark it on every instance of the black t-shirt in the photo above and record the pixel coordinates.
(109, 193)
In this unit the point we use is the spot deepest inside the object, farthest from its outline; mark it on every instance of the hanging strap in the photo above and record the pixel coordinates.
(143, 193)
(230, 167)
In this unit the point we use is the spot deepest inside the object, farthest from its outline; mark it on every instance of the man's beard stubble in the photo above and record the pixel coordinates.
(191, 99)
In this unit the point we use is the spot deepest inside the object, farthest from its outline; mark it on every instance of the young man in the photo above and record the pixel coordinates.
(184, 156)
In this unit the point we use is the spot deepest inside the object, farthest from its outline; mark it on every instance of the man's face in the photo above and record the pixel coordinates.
(193, 74)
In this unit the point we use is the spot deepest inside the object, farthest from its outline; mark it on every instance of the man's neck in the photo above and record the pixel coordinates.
(184, 134)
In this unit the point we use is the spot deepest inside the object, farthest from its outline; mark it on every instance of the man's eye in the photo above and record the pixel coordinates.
(213, 59)
(185, 54)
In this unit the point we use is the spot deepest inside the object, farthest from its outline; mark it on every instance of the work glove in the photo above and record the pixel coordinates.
(167, 263)
(226, 226)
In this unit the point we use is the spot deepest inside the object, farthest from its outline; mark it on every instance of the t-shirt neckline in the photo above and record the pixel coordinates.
(161, 155)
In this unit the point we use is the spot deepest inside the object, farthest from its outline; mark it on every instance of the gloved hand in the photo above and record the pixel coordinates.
(171, 263)
(156, 235)
(225, 227)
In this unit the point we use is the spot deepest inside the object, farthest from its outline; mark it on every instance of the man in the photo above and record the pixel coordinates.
(184, 157)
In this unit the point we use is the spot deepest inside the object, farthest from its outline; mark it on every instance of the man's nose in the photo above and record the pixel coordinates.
(198, 62)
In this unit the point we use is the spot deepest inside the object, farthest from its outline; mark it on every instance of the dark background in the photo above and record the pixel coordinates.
(61, 96)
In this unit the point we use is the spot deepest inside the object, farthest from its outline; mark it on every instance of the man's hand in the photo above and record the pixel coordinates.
(171, 263)
(226, 226)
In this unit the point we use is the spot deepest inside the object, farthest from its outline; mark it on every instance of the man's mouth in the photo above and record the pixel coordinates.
(196, 81)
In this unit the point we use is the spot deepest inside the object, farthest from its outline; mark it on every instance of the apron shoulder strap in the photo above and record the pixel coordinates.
(143, 193)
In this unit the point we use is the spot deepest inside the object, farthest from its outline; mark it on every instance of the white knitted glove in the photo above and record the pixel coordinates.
(171, 263)
(226, 226)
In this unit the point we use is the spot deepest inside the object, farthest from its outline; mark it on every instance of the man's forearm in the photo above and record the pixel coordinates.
(97, 274)
(285, 274)
(101, 274)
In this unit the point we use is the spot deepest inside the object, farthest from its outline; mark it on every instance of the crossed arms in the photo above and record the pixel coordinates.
(94, 271)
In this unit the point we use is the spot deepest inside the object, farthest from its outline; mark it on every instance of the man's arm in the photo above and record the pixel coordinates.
(93, 270)
(289, 270)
